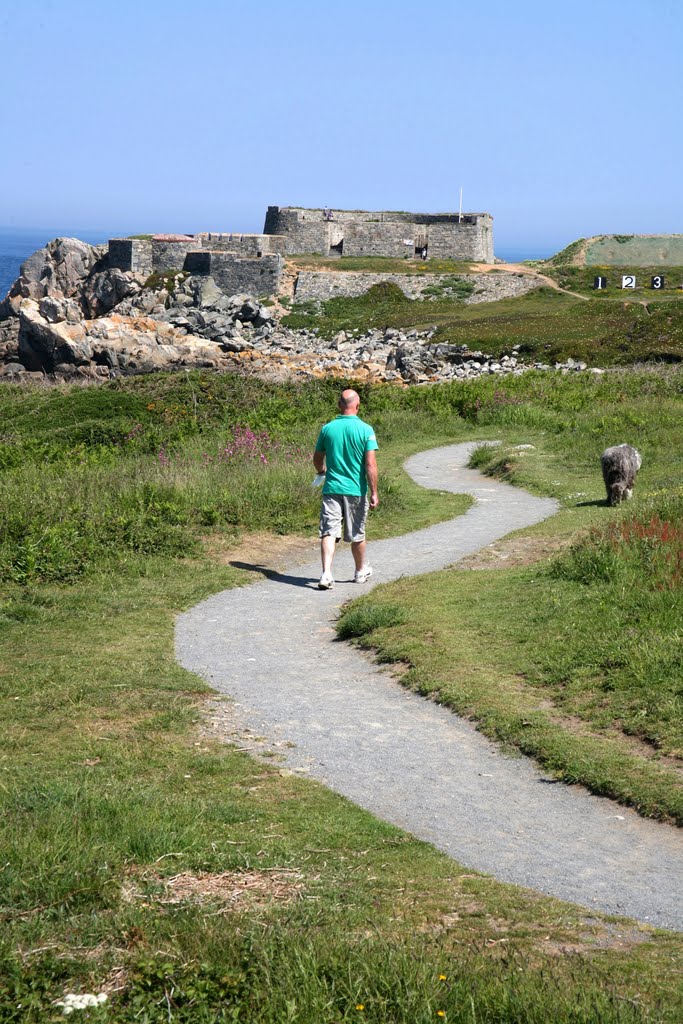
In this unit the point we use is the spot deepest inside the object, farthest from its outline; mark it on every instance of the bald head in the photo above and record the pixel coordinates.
(349, 402)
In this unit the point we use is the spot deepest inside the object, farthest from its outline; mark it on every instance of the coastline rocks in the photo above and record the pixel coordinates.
(112, 344)
(71, 280)
(57, 270)
(9, 341)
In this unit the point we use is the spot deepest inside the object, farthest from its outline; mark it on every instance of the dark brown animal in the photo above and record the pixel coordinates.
(619, 467)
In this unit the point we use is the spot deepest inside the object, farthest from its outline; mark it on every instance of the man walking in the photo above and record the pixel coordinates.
(345, 453)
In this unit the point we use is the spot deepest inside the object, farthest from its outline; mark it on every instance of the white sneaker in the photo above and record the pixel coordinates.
(362, 575)
(326, 581)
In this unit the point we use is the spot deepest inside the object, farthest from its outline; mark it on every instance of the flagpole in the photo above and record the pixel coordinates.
(460, 210)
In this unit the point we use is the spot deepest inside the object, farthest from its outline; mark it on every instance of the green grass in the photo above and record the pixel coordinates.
(168, 279)
(580, 279)
(548, 325)
(576, 662)
(380, 264)
(109, 790)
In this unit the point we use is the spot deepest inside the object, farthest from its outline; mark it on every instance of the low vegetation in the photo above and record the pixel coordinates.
(380, 264)
(182, 877)
(548, 325)
(580, 279)
(168, 279)
(575, 662)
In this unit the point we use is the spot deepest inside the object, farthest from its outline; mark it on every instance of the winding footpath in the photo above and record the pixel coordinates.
(271, 647)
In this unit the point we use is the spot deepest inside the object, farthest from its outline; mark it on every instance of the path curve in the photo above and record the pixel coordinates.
(270, 647)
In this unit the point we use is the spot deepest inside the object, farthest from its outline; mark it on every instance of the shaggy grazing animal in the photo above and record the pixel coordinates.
(619, 467)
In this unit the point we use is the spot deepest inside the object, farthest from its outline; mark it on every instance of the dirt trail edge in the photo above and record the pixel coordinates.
(271, 647)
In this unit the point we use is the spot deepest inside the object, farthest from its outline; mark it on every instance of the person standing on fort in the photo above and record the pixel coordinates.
(345, 453)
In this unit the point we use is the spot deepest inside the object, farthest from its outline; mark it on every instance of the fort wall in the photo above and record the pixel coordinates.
(243, 244)
(236, 274)
(382, 233)
(131, 254)
(319, 286)
(170, 254)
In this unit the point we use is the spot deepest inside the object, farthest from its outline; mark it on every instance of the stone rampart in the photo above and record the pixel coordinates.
(237, 274)
(132, 254)
(244, 244)
(320, 286)
(464, 241)
(390, 238)
(382, 233)
(170, 255)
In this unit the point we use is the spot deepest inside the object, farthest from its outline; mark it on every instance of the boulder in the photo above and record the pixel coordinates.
(54, 310)
(59, 269)
(104, 290)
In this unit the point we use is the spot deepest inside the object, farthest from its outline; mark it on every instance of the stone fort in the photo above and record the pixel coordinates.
(253, 262)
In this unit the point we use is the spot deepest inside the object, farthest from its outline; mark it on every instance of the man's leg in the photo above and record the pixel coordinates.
(330, 532)
(327, 546)
(358, 552)
(356, 514)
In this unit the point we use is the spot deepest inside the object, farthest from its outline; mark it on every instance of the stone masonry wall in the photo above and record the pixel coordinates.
(321, 286)
(383, 232)
(236, 274)
(131, 254)
(381, 239)
(463, 241)
(171, 255)
(245, 244)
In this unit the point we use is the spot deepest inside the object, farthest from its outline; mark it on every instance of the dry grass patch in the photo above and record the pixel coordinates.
(269, 550)
(229, 890)
(515, 551)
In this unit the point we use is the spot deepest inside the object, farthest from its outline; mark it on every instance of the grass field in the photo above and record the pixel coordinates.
(580, 279)
(379, 264)
(184, 878)
(547, 325)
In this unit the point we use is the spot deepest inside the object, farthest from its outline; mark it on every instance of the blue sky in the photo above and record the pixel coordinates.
(560, 120)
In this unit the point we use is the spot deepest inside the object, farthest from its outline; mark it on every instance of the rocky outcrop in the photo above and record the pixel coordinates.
(9, 341)
(114, 344)
(71, 280)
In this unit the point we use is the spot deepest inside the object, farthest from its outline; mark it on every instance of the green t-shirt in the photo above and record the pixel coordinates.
(345, 441)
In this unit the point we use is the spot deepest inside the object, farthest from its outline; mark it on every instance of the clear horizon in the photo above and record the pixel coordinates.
(556, 123)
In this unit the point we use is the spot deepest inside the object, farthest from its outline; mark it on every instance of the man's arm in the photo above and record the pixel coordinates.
(371, 474)
(319, 453)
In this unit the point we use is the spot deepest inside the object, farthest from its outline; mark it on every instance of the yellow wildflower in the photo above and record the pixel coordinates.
(440, 1013)
(442, 977)
(360, 1006)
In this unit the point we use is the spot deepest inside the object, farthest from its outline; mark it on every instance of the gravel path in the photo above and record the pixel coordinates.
(271, 647)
